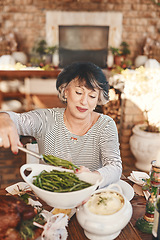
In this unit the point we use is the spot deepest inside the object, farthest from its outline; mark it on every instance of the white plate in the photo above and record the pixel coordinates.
(127, 189)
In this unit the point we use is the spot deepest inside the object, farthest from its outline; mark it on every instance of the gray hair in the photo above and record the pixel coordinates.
(89, 75)
(101, 99)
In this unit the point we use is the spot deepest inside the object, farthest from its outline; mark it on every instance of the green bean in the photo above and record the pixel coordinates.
(57, 181)
(55, 161)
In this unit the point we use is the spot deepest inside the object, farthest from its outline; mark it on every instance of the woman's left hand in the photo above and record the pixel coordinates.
(82, 169)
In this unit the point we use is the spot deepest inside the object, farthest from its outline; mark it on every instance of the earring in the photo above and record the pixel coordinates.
(65, 99)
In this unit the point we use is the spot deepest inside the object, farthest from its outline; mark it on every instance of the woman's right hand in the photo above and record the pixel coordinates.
(8, 133)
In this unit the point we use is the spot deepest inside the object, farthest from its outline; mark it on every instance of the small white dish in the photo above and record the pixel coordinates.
(124, 188)
(104, 227)
(127, 189)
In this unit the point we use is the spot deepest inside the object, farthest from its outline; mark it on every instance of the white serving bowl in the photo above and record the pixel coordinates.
(64, 200)
(104, 227)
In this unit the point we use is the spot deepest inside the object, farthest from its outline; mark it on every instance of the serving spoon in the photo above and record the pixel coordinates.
(49, 159)
(35, 154)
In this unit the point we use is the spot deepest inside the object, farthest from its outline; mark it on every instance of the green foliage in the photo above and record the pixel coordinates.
(115, 51)
(148, 186)
(51, 49)
(117, 70)
(40, 47)
(42, 53)
(27, 227)
(123, 50)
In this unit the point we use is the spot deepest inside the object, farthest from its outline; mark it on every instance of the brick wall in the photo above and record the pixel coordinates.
(26, 18)
(131, 115)
(10, 164)
(9, 167)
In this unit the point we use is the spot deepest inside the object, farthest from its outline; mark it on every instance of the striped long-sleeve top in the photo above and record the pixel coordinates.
(98, 149)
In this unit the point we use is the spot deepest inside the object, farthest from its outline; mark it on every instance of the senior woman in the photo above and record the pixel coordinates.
(77, 133)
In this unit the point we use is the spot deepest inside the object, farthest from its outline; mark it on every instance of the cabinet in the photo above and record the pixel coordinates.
(7, 75)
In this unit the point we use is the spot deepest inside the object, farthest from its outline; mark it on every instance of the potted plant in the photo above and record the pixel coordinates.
(37, 56)
(54, 54)
(118, 57)
(143, 87)
(42, 54)
(120, 53)
(40, 47)
(124, 47)
(145, 145)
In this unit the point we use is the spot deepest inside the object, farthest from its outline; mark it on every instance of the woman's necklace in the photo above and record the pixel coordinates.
(74, 139)
(82, 131)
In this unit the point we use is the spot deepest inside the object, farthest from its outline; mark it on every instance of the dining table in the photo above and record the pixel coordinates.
(130, 232)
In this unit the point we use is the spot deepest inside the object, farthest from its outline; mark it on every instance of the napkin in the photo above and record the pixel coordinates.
(18, 188)
(137, 177)
(55, 227)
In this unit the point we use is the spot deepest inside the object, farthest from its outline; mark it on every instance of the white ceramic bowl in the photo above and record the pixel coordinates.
(104, 227)
(61, 200)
